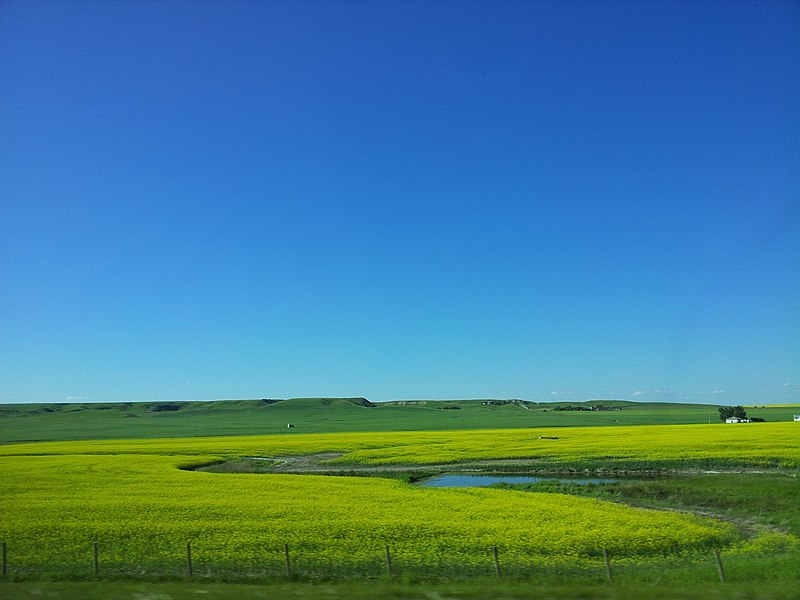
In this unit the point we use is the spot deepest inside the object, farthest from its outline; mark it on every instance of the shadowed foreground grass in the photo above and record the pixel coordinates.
(381, 589)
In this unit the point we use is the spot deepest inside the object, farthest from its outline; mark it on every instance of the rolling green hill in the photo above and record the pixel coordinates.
(31, 422)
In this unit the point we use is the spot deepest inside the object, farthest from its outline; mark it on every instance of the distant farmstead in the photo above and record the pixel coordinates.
(736, 420)
(797, 417)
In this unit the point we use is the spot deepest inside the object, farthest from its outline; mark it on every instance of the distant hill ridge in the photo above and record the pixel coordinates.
(311, 402)
(183, 406)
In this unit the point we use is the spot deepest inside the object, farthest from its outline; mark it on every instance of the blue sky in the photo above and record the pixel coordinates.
(440, 199)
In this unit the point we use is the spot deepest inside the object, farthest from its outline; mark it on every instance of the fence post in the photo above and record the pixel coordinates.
(720, 570)
(286, 561)
(388, 561)
(608, 565)
(189, 558)
(5, 562)
(96, 562)
(496, 561)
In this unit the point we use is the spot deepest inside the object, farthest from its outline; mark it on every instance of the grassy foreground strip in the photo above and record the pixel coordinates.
(390, 590)
(757, 444)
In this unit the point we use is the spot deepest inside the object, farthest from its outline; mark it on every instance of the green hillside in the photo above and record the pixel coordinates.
(30, 422)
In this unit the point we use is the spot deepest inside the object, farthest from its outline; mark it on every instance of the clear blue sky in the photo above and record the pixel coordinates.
(413, 199)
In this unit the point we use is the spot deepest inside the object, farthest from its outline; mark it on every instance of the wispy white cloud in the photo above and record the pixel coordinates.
(638, 393)
(73, 398)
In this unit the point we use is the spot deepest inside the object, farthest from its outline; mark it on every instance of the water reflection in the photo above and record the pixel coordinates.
(486, 480)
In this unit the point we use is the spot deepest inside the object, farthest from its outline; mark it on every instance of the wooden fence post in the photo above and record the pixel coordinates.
(96, 562)
(496, 561)
(5, 562)
(720, 570)
(287, 563)
(189, 558)
(608, 565)
(388, 561)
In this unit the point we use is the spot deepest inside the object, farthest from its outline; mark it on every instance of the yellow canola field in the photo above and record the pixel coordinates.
(142, 510)
(766, 444)
(131, 497)
(772, 444)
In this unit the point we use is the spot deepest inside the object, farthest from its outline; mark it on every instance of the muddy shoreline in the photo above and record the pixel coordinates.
(317, 464)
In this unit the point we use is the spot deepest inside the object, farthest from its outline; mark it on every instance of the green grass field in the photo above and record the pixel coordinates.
(126, 491)
(34, 422)
(482, 590)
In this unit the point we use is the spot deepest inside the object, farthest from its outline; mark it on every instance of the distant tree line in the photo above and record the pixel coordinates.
(164, 407)
(726, 412)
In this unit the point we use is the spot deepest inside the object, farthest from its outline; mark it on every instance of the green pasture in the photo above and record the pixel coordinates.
(35, 422)
(488, 590)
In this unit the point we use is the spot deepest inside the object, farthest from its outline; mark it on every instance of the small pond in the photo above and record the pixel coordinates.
(486, 480)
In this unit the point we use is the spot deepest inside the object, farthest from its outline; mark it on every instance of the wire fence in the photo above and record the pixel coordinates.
(292, 563)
